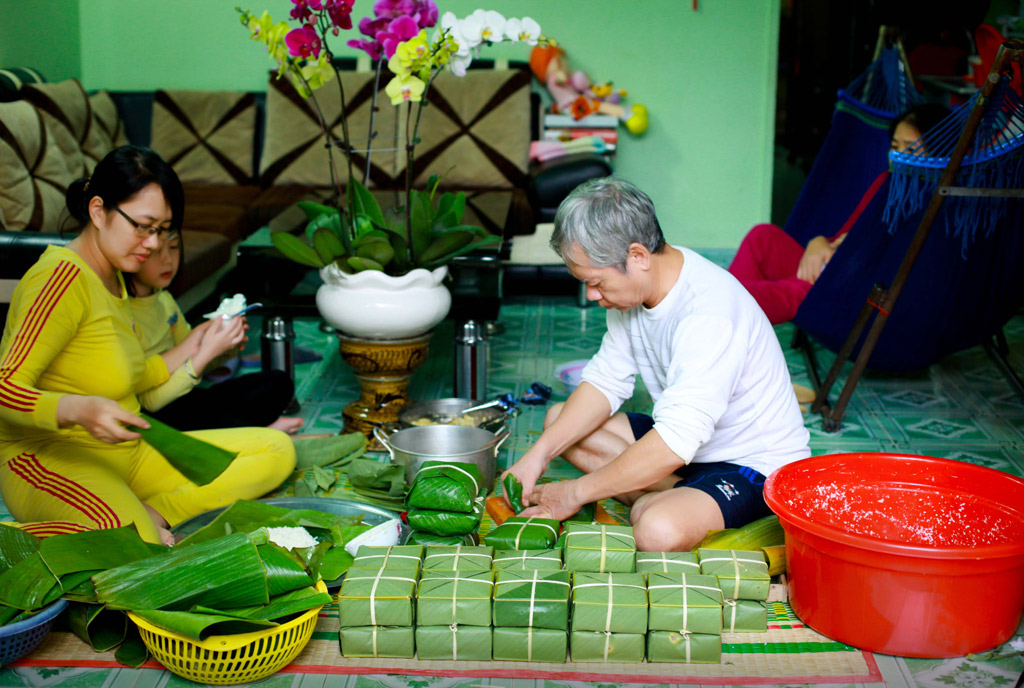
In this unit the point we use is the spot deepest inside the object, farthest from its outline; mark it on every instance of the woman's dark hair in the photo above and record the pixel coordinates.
(922, 117)
(121, 174)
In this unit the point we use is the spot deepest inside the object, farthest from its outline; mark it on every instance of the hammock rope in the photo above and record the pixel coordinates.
(883, 89)
(994, 160)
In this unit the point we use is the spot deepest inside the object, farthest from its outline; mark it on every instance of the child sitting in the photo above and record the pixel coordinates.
(255, 399)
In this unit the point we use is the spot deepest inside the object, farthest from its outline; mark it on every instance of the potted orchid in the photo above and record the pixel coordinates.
(354, 241)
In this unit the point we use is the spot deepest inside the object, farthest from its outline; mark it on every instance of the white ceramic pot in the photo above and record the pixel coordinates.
(374, 305)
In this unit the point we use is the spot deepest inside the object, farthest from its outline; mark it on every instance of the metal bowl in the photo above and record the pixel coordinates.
(412, 447)
(491, 419)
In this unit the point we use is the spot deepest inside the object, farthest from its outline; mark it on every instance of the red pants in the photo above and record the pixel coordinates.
(766, 264)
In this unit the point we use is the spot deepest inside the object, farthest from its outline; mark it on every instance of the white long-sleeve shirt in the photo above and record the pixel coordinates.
(714, 368)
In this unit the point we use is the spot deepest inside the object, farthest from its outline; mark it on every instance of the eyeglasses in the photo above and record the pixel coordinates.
(142, 231)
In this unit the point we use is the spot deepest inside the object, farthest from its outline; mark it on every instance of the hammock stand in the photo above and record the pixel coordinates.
(880, 301)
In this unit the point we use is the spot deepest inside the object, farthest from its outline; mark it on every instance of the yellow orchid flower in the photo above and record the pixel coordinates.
(405, 90)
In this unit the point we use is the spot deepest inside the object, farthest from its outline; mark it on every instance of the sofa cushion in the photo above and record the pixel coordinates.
(107, 128)
(476, 134)
(34, 173)
(293, 143)
(66, 109)
(207, 136)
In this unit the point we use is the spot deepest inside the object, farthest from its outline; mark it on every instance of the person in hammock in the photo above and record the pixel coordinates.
(778, 271)
(71, 366)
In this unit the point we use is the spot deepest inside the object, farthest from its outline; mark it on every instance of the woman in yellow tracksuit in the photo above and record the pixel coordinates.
(71, 366)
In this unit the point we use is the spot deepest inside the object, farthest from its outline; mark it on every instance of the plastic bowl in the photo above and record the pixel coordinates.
(20, 638)
(230, 659)
(905, 555)
(571, 373)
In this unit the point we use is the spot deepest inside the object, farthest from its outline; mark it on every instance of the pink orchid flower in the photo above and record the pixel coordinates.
(340, 13)
(372, 48)
(303, 42)
(401, 29)
(393, 9)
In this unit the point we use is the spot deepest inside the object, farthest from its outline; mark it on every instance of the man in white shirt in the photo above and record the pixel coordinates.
(724, 414)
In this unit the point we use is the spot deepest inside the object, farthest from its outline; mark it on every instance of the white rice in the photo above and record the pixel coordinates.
(291, 538)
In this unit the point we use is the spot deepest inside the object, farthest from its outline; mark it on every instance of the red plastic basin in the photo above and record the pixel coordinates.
(905, 555)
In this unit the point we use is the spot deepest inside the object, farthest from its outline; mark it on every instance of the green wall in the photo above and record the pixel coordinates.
(41, 35)
(706, 76)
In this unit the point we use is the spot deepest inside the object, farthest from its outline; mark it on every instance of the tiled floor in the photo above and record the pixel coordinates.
(961, 408)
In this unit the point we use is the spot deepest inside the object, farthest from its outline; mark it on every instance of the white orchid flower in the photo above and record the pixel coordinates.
(529, 31)
(458, 63)
(483, 26)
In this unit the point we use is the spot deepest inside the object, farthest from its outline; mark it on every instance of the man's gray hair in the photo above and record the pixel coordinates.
(601, 218)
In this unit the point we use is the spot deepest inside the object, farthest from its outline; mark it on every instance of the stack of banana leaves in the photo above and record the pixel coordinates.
(764, 534)
(226, 578)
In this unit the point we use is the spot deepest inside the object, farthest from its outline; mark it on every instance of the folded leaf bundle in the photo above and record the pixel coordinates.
(524, 533)
(446, 486)
(514, 492)
(334, 451)
(377, 476)
(199, 461)
(445, 522)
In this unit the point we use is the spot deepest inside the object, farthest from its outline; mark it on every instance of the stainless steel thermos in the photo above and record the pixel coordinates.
(471, 360)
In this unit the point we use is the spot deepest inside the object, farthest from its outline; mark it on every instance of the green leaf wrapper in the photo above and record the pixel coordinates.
(529, 644)
(744, 616)
(199, 461)
(524, 533)
(393, 556)
(453, 642)
(613, 602)
(458, 558)
(742, 575)
(689, 648)
(667, 562)
(528, 559)
(598, 646)
(377, 641)
(531, 598)
(446, 486)
(599, 548)
(446, 522)
(454, 597)
(381, 598)
(684, 602)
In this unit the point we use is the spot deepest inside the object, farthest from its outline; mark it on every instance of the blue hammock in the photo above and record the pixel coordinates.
(967, 281)
(853, 153)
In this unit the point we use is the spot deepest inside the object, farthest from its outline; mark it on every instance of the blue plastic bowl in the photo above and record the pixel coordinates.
(20, 638)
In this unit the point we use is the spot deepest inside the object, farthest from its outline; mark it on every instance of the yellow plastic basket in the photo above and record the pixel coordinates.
(229, 659)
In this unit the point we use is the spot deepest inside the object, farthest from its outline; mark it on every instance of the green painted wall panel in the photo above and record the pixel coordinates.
(707, 77)
(41, 35)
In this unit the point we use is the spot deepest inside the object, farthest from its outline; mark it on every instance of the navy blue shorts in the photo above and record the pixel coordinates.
(738, 490)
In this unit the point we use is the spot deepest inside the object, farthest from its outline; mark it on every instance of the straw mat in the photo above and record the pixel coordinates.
(787, 653)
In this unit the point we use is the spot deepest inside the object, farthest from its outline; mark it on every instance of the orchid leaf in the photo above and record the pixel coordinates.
(315, 210)
(422, 214)
(327, 245)
(362, 202)
(294, 248)
(359, 264)
(491, 240)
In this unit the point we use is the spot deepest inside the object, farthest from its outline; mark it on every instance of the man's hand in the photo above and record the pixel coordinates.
(819, 251)
(557, 500)
(102, 418)
(529, 468)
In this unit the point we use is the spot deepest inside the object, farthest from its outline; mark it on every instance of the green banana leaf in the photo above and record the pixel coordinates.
(285, 572)
(329, 451)
(278, 608)
(132, 652)
(375, 475)
(226, 572)
(421, 537)
(201, 626)
(199, 461)
(245, 516)
(15, 545)
(335, 562)
(445, 522)
(92, 550)
(84, 592)
(9, 614)
(101, 628)
(513, 492)
(29, 584)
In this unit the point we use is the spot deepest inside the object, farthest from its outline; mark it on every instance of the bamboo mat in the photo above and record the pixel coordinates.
(787, 653)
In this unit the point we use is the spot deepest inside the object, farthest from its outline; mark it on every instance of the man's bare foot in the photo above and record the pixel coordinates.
(288, 424)
(162, 526)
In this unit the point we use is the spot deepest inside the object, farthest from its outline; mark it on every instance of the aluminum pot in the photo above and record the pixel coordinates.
(493, 418)
(412, 447)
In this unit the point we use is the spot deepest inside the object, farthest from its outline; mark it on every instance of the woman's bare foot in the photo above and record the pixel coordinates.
(288, 424)
(162, 526)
